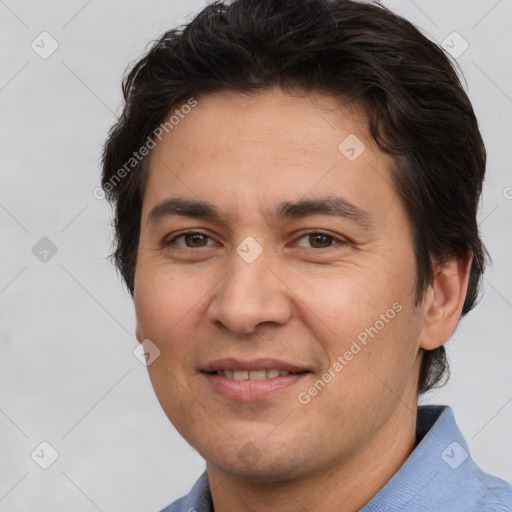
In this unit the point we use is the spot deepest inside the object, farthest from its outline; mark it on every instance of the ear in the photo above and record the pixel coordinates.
(138, 334)
(444, 300)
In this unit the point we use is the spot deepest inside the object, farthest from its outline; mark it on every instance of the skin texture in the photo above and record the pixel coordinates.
(304, 300)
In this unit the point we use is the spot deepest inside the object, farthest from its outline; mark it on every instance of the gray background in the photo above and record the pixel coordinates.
(68, 375)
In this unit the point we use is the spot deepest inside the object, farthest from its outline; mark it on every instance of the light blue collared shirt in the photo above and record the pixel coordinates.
(438, 476)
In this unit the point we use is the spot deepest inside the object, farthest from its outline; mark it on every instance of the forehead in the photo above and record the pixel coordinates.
(252, 152)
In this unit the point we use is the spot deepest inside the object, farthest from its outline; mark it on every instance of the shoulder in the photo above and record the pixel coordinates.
(179, 505)
(495, 494)
(464, 483)
(176, 506)
(197, 500)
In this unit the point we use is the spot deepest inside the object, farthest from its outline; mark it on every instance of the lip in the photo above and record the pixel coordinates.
(251, 390)
(231, 363)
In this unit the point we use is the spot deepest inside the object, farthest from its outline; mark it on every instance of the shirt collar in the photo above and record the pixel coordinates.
(438, 475)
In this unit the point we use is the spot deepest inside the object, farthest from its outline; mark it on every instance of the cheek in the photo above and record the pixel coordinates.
(370, 323)
(343, 303)
(161, 300)
(180, 408)
(164, 315)
(169, 310)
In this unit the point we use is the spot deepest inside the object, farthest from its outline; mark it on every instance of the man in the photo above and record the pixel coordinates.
(296, 187)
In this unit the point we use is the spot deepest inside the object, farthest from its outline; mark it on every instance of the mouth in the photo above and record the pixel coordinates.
(251, 380)
(271, 373)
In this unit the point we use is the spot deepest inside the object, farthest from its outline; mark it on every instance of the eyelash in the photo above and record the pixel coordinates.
(308, 233)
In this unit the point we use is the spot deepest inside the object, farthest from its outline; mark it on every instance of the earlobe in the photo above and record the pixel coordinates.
(138, 334)
(444, 301)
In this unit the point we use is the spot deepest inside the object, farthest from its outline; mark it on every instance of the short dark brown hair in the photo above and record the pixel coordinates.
(417, 111)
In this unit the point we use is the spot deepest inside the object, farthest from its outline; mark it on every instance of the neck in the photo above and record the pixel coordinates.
(349, 483)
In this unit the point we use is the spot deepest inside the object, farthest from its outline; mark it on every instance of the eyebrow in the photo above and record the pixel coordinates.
(330, 205)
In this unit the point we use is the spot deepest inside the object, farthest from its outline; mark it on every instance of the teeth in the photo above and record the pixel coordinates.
(252, 375)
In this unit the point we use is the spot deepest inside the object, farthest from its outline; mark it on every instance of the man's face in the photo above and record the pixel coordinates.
(252, 290)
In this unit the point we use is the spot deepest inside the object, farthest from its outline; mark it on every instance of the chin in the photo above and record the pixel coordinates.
(268, 465)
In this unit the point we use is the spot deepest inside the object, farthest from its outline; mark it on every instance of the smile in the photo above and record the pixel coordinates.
(251, 375)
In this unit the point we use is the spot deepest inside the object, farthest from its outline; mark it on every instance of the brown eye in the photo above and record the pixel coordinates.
(192, 239)
(195, 239)
(320, 240)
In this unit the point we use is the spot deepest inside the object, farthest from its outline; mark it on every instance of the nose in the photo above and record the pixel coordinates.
(250, 294)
